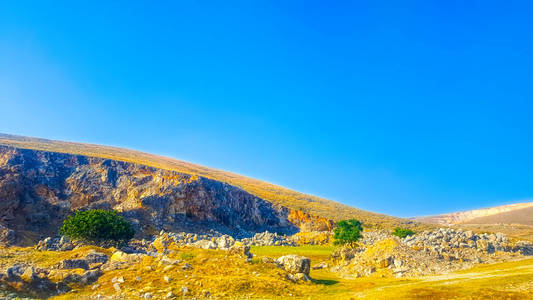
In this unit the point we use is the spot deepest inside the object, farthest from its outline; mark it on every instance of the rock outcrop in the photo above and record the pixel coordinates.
(38, 189)
(428, 252)
(308, 222)
(268, 239)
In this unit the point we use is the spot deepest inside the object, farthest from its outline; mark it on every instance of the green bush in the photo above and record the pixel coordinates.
(402, 232)
(348, 232)
(97, 225)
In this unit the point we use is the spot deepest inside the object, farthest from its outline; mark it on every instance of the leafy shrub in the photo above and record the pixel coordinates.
(348, 232)
(402, 232)
(97, 225)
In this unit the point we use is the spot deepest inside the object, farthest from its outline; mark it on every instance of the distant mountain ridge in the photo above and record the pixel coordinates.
(518, 213)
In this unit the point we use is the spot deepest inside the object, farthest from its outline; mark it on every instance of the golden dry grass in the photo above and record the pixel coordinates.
(230, 277)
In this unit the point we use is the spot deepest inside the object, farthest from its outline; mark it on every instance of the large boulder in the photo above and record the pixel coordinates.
(205, 244)
(295, 264)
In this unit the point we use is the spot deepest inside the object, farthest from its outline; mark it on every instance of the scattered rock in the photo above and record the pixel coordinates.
(224, 242)
(205, 244)
(55, 244)
(14, 272)
(94, 257)
(74, 264)
(91, 276)
(28, 274)
(243, 251)
(268, 239)
(295, 264)
(428, 252)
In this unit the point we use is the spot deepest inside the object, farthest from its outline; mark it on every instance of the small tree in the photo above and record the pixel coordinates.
(402, 232)
(348, 232)
(97, 225)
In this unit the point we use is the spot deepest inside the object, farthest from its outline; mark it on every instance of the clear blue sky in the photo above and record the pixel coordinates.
(411, 108)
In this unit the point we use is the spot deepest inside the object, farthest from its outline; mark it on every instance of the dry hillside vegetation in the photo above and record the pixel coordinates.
(276, 194)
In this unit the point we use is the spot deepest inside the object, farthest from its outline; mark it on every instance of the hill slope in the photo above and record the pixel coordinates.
(277, 195)
(519, 213)
(519, 216)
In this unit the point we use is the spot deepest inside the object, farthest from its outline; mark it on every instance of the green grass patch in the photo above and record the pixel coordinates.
(314, 252)
(186, 255)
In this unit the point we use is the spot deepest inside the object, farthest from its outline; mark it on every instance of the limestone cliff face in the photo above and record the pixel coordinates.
(38, 189)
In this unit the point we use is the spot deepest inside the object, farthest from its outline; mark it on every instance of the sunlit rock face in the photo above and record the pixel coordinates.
(38, 189)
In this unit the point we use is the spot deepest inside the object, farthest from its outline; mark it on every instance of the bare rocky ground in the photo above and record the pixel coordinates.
(430, 252)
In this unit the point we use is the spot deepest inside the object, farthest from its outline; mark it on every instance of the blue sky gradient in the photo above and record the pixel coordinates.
(406, 108)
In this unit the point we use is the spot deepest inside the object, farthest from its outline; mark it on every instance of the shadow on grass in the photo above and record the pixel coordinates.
(325, 281)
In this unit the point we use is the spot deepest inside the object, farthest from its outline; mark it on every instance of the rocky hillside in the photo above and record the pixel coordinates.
(38, 189)
(519, 213)
(304, 210)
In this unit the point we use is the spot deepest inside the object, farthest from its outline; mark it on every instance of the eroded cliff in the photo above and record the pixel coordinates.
(38, 189)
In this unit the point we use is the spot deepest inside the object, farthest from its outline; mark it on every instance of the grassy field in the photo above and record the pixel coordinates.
(229, 277)
(511, 280)
(267, 191)
(315, 253)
